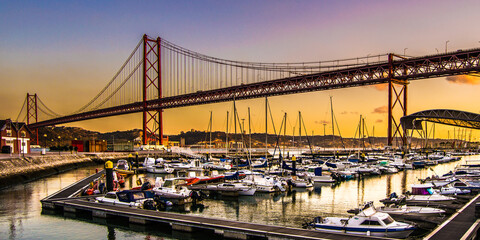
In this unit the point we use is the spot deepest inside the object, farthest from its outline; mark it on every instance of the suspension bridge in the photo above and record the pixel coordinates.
(160, 75)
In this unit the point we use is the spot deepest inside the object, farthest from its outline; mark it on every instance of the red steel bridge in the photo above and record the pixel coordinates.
(160, 75)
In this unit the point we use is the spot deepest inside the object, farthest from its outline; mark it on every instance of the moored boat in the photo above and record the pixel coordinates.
(367, 222)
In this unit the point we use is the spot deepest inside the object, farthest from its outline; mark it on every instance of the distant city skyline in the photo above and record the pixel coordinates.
(67, 51)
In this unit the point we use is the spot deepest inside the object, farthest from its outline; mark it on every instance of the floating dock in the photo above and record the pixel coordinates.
(461, 225)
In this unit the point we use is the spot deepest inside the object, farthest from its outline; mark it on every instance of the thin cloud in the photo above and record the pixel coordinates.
(344, 112)
(380, 110)
(464, 79)
(380, 87)
(322, 122)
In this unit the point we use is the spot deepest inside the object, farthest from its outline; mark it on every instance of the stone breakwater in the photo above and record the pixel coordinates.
(17, 170)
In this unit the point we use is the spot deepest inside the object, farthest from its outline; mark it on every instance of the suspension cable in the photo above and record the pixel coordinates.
(113, 79)
(21, 110)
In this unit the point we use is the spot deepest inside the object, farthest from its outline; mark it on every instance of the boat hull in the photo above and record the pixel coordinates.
(371, 231)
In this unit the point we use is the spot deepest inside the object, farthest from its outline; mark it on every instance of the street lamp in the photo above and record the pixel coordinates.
(45, 140)
(405, 49)
(446, 43)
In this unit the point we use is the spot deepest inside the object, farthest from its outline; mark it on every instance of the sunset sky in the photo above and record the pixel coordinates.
(67, 51)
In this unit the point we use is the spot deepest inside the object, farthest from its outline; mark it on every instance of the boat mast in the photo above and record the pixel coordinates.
(235, 135)
(333, 123)
(226, 138)
(266, 128)
(363, 133)
(299, 130)
(210, 141)
(249, 137)
(285, 133)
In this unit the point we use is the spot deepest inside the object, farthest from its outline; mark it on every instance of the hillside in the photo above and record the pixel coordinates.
(62, 136)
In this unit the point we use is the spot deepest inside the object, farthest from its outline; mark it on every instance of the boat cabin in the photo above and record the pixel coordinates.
(422, 189)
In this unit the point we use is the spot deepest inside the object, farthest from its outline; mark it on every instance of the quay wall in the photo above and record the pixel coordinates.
(21, 169)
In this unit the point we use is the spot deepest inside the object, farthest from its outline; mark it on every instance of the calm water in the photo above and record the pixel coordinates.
(21, 213)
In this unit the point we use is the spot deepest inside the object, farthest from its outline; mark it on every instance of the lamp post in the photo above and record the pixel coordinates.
(446, 44)
(45, 140)
(405, 49)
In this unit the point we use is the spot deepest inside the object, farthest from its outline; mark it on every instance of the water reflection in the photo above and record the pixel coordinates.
(111, 233)
(21, 218)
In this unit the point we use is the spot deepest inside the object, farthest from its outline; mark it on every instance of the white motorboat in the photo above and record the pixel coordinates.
(300, 183)
(149, 162)
(217, 166)
(242, 189)
(424, 193)
(452, 191)
(127, 198)
(157, 168)
(367, 222)
(316, 175)
(405, 210)
(172, 188)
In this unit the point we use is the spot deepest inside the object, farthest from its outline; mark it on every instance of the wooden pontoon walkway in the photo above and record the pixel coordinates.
(182, 222)
(74, 188)
(459, 225)
(64, 200)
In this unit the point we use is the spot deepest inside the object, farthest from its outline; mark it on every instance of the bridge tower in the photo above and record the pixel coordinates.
(397, 100)
(32, 114)
(152, 89)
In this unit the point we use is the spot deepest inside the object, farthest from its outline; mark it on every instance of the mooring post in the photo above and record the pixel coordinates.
(294, 165)
(136, 159)
(109, 175)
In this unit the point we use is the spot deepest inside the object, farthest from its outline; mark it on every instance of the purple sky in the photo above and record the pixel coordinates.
(66, 51)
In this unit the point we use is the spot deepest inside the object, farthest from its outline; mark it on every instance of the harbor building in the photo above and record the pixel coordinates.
(15, 137)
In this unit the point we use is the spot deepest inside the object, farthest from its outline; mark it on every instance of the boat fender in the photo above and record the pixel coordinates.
(121, 182)
(149, 205)
(101, 187)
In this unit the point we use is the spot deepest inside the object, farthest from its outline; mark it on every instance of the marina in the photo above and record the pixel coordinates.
(243, 120)
(62, 203)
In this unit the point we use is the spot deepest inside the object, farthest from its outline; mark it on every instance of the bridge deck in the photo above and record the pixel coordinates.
(457, 225)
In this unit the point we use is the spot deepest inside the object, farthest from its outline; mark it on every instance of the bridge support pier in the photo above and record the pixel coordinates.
(32, 114)
(152, 89)
(397, 99)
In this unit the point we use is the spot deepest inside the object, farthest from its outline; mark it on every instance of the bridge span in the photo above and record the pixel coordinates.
(160, 75)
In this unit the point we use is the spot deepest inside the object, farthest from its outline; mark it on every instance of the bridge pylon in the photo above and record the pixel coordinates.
(397, 100)
(152, 89)
(32, 114)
